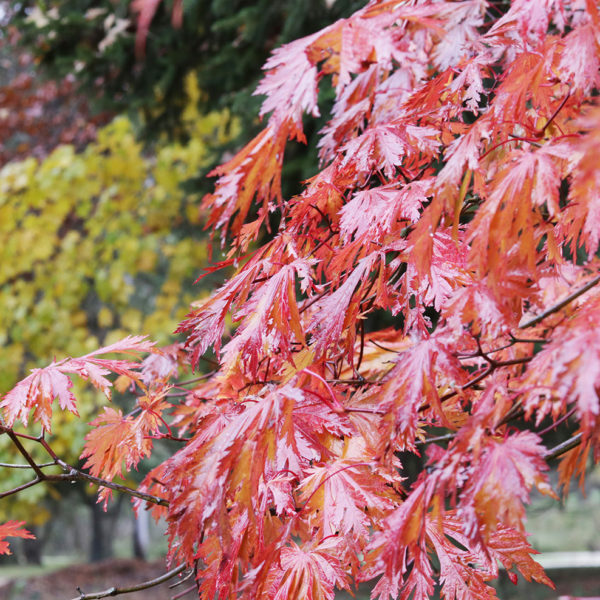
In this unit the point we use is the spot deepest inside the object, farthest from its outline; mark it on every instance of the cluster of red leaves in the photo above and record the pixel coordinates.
(437, 275)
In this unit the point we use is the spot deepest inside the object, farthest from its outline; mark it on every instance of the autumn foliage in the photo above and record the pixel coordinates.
(428, 298)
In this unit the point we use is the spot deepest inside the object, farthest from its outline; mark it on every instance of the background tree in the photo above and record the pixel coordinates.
(457, 196)
(134, 56)
(37, 113)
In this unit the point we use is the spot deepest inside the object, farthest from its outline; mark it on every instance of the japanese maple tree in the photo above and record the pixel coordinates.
(431, 292)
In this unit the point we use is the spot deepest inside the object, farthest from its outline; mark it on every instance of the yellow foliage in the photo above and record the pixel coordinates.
(96, 245)
(95, 240)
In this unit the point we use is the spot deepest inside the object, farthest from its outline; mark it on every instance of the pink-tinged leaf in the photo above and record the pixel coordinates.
(38, 391)
(290, 84)
(132, 344)
(311, 573)
(385, 146)
(277, 432)
(278, 492)
(336, 495)
(401, 536)
(567, 370)
(471, 78)
(220, 564)
(376, 212)
(531, 20)
(146, 10)
(116, 444)
(486, 311)
(12, 529)
(253, 174)
(161, 366)
(580, 221)
(500, 480)
(463, 153)
(580, 60)
(364, 41)
(270, 320)
(349, 112)
(205, 324)
(511, 548)
(420, 374)
(459, 578)
(340, 308)
(419, 584)
(461, 23)
(435, 282)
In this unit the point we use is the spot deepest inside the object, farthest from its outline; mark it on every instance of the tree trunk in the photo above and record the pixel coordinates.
(141, 535)
(100, 545)
(32, 549)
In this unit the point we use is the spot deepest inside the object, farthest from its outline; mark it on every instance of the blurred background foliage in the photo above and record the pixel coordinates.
(223, 42)
(96, 245)
(99, 244)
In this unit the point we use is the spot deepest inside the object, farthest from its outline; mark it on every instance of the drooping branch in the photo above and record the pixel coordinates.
(114, 591)
(70, 473)
(77, 475)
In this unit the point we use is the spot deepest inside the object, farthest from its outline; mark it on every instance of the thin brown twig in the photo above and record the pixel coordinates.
(75, 474)
(559, 305)
(554, 114)
(325, 218)
(555, 424)
(384, 348)
(20, 466)
(514, 412)
(195, 379)
(114, 591)
(17, 442)
(438, 438)
(20, 488)
(361, 381)
(466, 386)
(362, 346)
(320, 244)
(70, 472)
(312, 300)
(183, 593)
(564, 447)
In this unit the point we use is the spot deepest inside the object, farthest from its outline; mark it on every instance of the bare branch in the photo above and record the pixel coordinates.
(16, 466)
(17, 442)
(113, 591)
(20, 488)
(195, 379)
(564, 447)
(73, 474)
(438, 438)
(535, 320)
(183, 593)
(70, 472)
